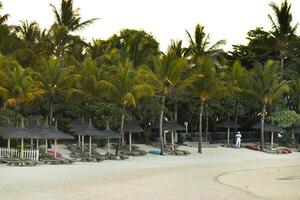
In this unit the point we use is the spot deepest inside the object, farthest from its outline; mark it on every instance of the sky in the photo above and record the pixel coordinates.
(165, 19)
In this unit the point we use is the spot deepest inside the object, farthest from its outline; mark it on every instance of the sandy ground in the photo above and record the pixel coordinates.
(219, 173)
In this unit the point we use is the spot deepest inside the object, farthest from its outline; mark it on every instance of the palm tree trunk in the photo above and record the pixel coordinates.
(122, 126)
(262, 137)
(200, 128)
(236, 116)
(206, 122)
(175, 117)
(51, 114)
(161, 124)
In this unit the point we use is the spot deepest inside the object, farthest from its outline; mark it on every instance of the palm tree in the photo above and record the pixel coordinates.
(206, 88)
(282, 29)
(166, 75)
(54, 79)
(17, 87)
(294, 87)
(176, 46)
(265, 85)
(69, 17)
(199, 44)
(236, 83)
(4, 18)
(125, 88)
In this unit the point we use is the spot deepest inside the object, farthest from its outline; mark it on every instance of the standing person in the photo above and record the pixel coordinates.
(238, 137)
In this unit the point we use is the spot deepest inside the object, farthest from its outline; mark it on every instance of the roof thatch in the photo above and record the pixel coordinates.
(172, 126)
(228, 124)
(132, 127)
(268, 127)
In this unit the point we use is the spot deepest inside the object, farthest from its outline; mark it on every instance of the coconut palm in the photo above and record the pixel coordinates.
(176, 46)
(4, 18)
(166, 75)
(294, 87)
(199, 44)
(125, 88)
(54, 78)
(17, 87)
(236, 83)
(265, 85)
(207, 88)
(282, 29)
(69, 17)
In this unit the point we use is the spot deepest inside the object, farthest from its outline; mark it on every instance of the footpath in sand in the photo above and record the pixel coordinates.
(219, 173)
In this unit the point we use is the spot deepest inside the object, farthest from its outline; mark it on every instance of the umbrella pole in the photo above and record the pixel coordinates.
(90, 146)
(165, 139)
(55, 148)
(272, 139)
(46, 146)
(37, 143)
(130, 147)
(172, 140)
(108, 146)
(79, 139)
(8, 146)
(31, 143)
(22, 148)
(228, 132)
(82, 147)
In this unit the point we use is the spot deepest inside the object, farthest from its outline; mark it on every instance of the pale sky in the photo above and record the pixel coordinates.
(165, 19)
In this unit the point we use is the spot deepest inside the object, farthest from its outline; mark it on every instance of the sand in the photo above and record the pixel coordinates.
(219, 173)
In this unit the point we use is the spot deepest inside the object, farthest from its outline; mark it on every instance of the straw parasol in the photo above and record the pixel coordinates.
(77, 126)
(228, 124)
(132, 127)
(172, 126)
(108, 134)
(55, 134)
(90, 131)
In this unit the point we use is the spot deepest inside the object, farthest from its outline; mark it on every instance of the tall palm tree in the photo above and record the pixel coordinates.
(236, 83)
(294, 87)
(199, 44)
(166, 75)
(54, 79)
(282, 29)
(4, 18)
(125, 88)
(206, 88)
(265, 85)
(29, 31)
(17, 87)
(176, 46)
(70, 18)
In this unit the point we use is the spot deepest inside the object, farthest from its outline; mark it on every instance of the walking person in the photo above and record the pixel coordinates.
(238, 138)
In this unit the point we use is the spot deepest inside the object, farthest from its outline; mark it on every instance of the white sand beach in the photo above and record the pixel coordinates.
(219, 173)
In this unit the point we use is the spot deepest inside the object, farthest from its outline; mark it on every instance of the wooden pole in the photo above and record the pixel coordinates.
(31, 143)
(82, 147)
(172, 140)
(55, 147)
(46, 146)
(22, 148)
(37, 143)
(108, 146)
(8, 146)
(272, 139)
(79, 140)
(90, 146)
(228, 137)
(130, 147)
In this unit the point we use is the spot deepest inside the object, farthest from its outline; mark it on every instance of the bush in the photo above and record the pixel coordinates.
(285, 140)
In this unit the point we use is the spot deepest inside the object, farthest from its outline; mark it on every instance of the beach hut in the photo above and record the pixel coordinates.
(228, 124)
(131, 127)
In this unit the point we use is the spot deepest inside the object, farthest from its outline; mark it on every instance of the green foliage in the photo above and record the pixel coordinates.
(286, 118)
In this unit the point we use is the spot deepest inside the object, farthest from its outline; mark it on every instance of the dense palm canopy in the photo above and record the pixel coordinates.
(54, 72)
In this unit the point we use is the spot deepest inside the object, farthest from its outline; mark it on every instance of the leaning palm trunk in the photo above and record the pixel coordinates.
(51, 113)
(161, 124)
(175, 117)
(262, 137)
(200, 128)
(281, 63)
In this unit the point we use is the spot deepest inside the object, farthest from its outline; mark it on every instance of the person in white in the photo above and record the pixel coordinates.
(238, 137)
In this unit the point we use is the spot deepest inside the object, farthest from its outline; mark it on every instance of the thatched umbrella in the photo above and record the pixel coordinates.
(269, 128)
(56, 134)
(17, 133)
(172, 126)
(131, 127)
(4, 131)
(109, 134)
(91, 131)
(77, 126)
(228, 124)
